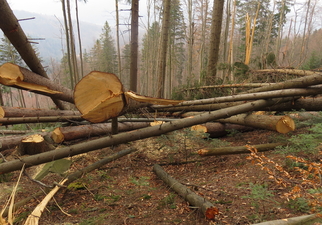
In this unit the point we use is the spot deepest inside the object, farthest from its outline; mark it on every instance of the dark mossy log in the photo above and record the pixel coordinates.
(313, 219)
(34, 144)
(281, 124)
(13, 31)
(61, 134)
(16, 76)
(46, 119)
(216, 129)
(248, 97)
(32, 112)
(206, 207)
(76, 175)
(237, 149)
(131, 136)
(99, 96)
(308, 104)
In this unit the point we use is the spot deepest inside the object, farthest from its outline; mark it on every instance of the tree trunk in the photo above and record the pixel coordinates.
(46, 119)
(215, 38)
(206, 207)
(61, 134)
(13, 31)
(299, 220)
(16, 76)
(134, 45)
(308, 104)
(131, 136)
(281, 124)
(163, 48)
(34, 144)
(238, 149)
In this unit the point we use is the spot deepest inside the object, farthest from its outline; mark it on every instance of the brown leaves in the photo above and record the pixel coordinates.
(211, 213)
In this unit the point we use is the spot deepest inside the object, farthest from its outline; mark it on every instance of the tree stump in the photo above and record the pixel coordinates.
(34, 144)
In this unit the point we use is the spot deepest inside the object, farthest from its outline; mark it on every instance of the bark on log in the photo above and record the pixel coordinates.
(206, 207)
(288, 71)
(237, 150)
(308, 104)
(244, 85)
(99, 96)
(16, 76)
(31, 112)
(281, 124)
(61, 134)
(131, 136)
(215, 130)
(34, 144)
(13, 31)
(299, 220)
(47, 119)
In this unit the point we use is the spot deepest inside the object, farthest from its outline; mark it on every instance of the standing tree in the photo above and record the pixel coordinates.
(134, 44)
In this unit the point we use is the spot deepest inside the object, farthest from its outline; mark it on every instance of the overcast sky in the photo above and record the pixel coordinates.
(94, 11)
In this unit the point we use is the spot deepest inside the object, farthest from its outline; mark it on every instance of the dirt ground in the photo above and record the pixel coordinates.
(127, 191)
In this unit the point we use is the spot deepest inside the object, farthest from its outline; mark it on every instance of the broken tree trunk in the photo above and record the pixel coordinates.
(281, 124)
(34, 144)
(237, 149)
(13, 31)
(61, 134)
(215, 129)
(206, 207)
(132, 136)
(31, 112)
(99, 96)
(16, 76)
(46, 119)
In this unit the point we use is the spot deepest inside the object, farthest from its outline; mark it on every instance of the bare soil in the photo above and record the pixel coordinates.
(127, 191)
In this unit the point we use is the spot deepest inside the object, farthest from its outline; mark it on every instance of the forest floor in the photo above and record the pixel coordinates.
(127, 191)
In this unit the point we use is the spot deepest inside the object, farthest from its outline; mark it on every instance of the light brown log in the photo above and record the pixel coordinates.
(18, 120)
(206, 207)
(99, 96)
(313, 219)
(34, 144)
(237, 149)
(31, 112)
(61, 134)
(131, 136)
(16, 76)
(281, 124)
(215, 129)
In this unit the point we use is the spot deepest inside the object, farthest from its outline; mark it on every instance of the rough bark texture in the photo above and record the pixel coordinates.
(61, 134)
(17, 120)
(205, 206)
(308, 104)
(131, 136)
(13, 31)
(237, 149)
(134, 45)
(16, 76)
(281, 124)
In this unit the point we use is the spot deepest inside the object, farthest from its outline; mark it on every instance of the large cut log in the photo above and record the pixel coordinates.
(13, 31)
(31, 112)
(16, 76)
(237, 149)
(34, 144)
(206, 207)
(61, 134)
(281, 124)
(215, 129)
(99, 96)
(46, 119)
(132, 136)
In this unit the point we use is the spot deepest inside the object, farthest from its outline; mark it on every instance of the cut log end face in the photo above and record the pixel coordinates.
(57, 135)
(285, 125)
(33, 144)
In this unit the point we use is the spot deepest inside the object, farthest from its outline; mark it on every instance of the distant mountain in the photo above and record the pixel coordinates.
(50, 28)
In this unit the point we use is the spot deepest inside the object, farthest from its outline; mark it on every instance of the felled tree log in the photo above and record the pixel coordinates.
(61, 134)
(14, 120)
(299, 220)
(31, 112)
(16, 76)
(99, 96)
(308, 104)
(237, 149)
(281, 124)
(34, 144)
(215, 129)
(131, 136)
(288, 71)
(206, 207)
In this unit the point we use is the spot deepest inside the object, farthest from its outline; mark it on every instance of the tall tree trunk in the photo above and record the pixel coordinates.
(134, 45)
(79, 41)
(190, 38)
(118, 40)
(215, 39)
(11, 28)
(163, 47)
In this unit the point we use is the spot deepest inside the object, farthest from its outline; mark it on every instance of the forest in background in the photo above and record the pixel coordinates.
(254, 35)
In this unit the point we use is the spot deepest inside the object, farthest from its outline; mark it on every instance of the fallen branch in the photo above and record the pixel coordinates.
(299, 220)
(206, 207)
(237, 149)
